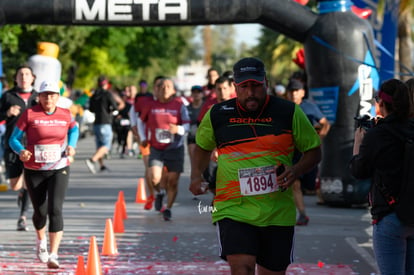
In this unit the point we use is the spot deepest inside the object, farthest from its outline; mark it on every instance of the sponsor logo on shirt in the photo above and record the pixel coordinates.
(163, 111)
(50, 122)
(247, 120)
(227, 108)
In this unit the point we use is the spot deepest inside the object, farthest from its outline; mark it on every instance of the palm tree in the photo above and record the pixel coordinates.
(277, 51)
(405, 38)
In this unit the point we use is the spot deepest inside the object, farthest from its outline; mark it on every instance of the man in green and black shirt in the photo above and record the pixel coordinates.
(255, 135)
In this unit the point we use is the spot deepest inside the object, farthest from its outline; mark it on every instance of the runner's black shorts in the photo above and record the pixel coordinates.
(13, 164)
(173, 159)
(272, 245)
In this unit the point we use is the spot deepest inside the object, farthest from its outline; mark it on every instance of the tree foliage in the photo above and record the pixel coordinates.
(221, 48)
(277, 51)
(405, 37)
(124, 54)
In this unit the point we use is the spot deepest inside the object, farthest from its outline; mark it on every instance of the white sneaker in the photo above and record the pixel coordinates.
(53, 261)
(91, 166)
(42, 254)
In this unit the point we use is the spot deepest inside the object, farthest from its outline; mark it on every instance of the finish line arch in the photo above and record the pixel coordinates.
(339, 58)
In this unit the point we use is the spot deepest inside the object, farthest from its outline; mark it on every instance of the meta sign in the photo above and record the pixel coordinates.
(130, 10)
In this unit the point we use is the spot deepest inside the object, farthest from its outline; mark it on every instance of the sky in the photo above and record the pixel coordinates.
(247, 33)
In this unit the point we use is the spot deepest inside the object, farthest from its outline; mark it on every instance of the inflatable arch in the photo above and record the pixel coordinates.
(339, 56)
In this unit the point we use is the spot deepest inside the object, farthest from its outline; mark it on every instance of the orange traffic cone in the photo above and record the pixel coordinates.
(141, 196)
(121, 201)
(118, 221)
(93, 266)
(80, 268)
(109, 246)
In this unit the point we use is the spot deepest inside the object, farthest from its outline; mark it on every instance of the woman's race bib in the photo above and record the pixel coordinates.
(46, 153)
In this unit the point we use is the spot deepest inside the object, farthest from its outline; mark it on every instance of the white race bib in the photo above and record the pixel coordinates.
(45, 153)
(258, 180)
(163, 136)
(124, 122)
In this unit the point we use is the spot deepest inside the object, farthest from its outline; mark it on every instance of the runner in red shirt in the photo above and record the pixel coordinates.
(51, 137)
(166, 121)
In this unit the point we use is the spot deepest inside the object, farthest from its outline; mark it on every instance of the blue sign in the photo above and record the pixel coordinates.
(327, 100)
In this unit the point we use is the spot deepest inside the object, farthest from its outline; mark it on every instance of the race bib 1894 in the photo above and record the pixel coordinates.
(258, 180)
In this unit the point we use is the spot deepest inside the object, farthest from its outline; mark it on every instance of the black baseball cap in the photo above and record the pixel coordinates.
(249, 69)
(294, 84)
(196, 88)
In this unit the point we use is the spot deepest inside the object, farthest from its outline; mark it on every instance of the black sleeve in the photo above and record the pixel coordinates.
(362, 165)
(92, 104)
(3, 107)
(113, 105)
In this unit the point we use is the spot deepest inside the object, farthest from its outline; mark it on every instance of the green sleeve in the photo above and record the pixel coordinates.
(205, 133)
(304, 134)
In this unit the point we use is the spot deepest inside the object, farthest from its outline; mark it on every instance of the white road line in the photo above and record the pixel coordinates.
(362, 252)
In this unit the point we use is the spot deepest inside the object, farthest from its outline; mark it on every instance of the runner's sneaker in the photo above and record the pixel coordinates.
(166, 214)
(103, 169)
(158, 201)
(41, 249)
(21, 225)
(148, 204)
(302, 220)
(53, 261)
(91, 166)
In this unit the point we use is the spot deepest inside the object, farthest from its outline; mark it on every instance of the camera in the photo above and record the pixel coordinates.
(365, 122)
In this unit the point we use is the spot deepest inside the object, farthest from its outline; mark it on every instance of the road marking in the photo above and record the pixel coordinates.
(362, 252)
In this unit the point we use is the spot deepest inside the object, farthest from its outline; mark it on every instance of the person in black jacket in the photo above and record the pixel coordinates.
(12, 104)
(102, 103)
(378, 155)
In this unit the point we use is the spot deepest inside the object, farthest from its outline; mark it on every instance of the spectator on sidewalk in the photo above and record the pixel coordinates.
(103, 105)
(379, 156)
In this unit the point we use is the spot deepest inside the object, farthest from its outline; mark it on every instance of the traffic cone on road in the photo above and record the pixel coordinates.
(93, 266)
(118, 220)
(4, 187)
(109, 246)
(141, 196)
(121, 201)
(80, 268)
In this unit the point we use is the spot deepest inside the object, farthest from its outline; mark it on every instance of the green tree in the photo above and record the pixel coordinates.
(224, 52)
(125, 54)
(277, 51)
(405, 45)
(20, 42)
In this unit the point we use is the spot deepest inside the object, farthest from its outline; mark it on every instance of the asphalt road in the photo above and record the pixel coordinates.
(336, 240)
